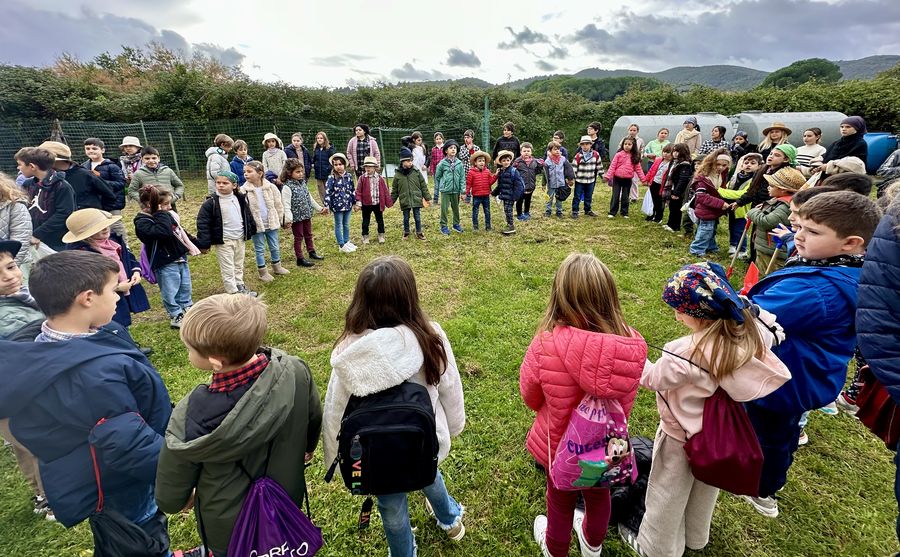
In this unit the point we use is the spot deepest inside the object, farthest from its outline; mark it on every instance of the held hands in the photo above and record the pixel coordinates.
(358, 206)
(324, 211)
(124, 287)
(135, 278)
(426, 203)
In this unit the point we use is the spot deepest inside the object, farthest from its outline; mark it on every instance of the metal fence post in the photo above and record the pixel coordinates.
(174, 155)
(486, 125)
(383, 148)
(144, 132)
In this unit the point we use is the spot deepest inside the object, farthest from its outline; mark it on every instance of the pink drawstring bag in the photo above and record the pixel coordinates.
(595, 451)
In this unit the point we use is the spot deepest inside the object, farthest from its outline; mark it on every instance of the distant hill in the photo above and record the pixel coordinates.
(867, 68)
(465, 82)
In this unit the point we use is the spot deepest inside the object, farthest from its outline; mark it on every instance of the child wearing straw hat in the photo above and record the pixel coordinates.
(478, 185)
(774, 212)
(774, 135)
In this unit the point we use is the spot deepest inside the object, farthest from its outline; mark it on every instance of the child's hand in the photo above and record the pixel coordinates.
(124, 287)
(190, 503)
(324, 211)
(426, 203)
(135, 278)
(286, 225)
(781, 231)
(307, 457)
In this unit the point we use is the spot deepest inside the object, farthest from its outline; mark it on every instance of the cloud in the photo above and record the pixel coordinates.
(558, 52)
(407, 72)
(456, 57)
(345, 59)
(795, 34)
(86, 34)
(519, 67)
(544, 66)
(523, 38)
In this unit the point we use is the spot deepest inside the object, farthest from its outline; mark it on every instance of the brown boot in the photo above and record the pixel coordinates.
(279, 270)
(264, 275)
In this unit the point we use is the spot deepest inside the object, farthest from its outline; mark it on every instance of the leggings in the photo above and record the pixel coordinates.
(523, 205)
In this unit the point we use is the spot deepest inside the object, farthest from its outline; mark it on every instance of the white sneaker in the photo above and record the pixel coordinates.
(804, 438)
(352, 247)
(668, 228)
(540, 534)
(344, 249)
(732, 250)
(577, 525)
(766, 506)
(744, 255)
(829, 409)
(843, 403)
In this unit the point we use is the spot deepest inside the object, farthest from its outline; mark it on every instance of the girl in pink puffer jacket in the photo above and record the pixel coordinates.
(583, 346)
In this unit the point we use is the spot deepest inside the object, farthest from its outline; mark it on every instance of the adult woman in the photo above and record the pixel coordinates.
(810, 153)
(359, 147)
(776, 134)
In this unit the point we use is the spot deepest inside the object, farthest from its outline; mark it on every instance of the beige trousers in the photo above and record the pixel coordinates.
(679, 507)
(231, 264)
(119, 227)
(28, 463)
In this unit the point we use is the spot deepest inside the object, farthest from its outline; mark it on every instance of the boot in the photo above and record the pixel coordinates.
(279, 270)
(264, 275)
(304, 262)
(381, 238)
(365, 239)
(316, 256)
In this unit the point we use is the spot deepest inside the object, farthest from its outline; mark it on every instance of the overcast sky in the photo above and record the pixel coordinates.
(340, 43)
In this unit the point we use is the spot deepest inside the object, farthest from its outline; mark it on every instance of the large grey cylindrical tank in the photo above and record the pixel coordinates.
(651, 124)
(754, 122)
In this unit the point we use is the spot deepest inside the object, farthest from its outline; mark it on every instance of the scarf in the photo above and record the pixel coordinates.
(272, 150)
(113, 250)
(587, 156)
(855, 260)
(183, 236)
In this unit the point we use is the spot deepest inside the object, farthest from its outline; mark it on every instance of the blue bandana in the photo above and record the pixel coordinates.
(701, 290)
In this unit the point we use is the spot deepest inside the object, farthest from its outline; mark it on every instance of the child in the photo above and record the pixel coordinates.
(740, 145)
(238, 161)
(90, 190)
(625, 165)
(50, 198)
(450, 180)
(372, 197)
(410, 188)
(155, 228)
(418, 153)
(296, 150)
(814, 297)
(729, 348)
(89, 230)
(15, 222)
(132, 156)
(558, 172)
(339, 198)
(690, 135)
(437, 155)
(708, 204)
(109, 172)
(529, 168)
(507, 142)
(298, 210)
(559, 136)
(561, 366)
(154, 173)
(217, 160)
(587, 166)
(748, 166)
(273, 157)
(676, 186)
(260, 414)
(466, 151)
(321, 155)
(810, 151)
(225, 222)
(388, 339)
(654, 148)
(765, 218)
(85, 401)
(360, 146)
(264, 201)
(656, 179)
(510, 186)
(773, 136)
(478, 185)
(597, 144)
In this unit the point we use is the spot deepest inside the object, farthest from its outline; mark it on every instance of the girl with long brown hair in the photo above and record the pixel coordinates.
(387, 340)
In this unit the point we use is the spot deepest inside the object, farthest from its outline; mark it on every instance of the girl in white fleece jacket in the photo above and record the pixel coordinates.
(387, 340)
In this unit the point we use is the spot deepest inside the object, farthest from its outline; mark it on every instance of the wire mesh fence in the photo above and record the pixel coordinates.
(182, 144)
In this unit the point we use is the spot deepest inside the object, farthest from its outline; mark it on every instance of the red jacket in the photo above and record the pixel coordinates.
(708, 204)
(364, 192)
(561, 366)
(654, 168)
(479, 182)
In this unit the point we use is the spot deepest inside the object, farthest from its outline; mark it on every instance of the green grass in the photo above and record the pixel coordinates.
(488, 292)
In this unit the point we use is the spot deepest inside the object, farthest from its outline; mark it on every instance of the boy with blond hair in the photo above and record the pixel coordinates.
(259, 413)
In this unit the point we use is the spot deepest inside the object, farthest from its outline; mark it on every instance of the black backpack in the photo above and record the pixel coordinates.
(388, 442)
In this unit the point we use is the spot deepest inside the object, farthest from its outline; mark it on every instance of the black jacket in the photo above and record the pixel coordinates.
(303, 156)
(850, 146)
(511, 144)
(209, 221)
(90, 190)
(111, 173)
(55, 202)
(157, 233)
(599, 146)
(679, 179)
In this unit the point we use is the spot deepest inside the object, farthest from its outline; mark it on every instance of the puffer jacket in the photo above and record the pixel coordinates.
(216, 162)
(479, 182)
(450, 176)
(708, 204)
(15, 224)
(321, 164)
(510, 185)
(303, 156)
(112, 174)
(16, 311)
(766, 218)
(561, 366)
(678, 180)
(529, 170)
(409, 188)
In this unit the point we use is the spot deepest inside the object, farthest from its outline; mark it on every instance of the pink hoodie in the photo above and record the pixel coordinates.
(686, 388)
(561, 366)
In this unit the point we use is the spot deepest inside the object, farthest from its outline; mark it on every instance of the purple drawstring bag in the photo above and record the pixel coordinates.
(146, 271)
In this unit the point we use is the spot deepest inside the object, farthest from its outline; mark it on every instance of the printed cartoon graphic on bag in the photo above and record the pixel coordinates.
(595, 451)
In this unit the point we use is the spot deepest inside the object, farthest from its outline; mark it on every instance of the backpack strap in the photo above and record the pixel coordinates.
(704, 370)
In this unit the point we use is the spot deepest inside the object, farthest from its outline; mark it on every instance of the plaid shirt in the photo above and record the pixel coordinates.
(586, 171)
(231, 380)
(52, 335)
(709, 146)
(465, 154)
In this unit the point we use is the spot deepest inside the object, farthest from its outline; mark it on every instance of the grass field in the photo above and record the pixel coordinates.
(488, 292)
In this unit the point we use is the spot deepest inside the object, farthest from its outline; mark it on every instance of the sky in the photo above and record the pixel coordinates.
(362, 42)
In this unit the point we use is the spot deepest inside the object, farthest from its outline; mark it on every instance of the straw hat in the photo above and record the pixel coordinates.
(777, 126)
(60, 150)
(131, 140)
(84, 223)
(341, 156)
(503, 154)
(480, 155)
(845, 164)
(370, 161)
(787, 178)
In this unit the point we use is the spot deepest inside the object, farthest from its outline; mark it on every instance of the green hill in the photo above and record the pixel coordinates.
(867, 68)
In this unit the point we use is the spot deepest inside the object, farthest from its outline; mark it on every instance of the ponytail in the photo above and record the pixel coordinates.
(150, 198)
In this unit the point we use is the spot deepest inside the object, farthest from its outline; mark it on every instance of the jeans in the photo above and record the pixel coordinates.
(561, 509)
(735, 230)
(260, 239)
(705, 239)
(778, 435)
(175, 288)
(416, 212)
(367, 212)
(302, 230)
(551, 197)
(481, 201)
(621, 189)
(342, 227)
(451, 201)
(394, 510)
(583, 191)
(523, 205)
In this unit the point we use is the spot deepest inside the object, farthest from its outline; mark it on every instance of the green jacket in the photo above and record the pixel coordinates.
(163, 177)
(282, 406)
(15, 313)
(733, 195)
(450, 178)
(409, 189)
(766, 218)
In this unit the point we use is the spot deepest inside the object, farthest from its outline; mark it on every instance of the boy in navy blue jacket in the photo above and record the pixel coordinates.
(83, 391)
(111, 173)
(814, 299)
